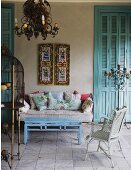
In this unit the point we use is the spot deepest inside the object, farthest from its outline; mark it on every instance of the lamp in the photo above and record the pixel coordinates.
(36, 20)
(120, 76)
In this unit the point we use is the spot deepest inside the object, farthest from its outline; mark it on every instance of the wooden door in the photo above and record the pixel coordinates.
(112, 47)
(7, 38)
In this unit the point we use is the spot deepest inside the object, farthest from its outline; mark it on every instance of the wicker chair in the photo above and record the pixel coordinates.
(107, 132)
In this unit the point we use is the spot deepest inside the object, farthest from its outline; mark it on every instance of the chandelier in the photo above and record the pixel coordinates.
(36, 20)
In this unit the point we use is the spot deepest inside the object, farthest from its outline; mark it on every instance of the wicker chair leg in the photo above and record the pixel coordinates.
(87, 148)
(121, 149)
(98, 146)
(109, 155)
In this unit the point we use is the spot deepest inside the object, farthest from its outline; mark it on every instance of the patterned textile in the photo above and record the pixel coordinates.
(58, 95)
(40, 101)
(69, 96)
(61, 105)
(32, 104)
(51, 101)
(72, 101)
(54, 104)
(74, 104)
(87, 105)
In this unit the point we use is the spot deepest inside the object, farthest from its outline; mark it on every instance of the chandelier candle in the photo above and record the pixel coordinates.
(36, 20)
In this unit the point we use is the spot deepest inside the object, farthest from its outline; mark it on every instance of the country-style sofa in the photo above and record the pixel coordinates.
(58, 104)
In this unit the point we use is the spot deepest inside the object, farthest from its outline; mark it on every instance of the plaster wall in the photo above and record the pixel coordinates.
(76, 22)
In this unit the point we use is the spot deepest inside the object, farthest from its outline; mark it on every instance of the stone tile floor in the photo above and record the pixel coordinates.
(60, 151)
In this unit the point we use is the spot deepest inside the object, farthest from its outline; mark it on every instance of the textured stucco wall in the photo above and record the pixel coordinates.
(76, 22)
(76, 28)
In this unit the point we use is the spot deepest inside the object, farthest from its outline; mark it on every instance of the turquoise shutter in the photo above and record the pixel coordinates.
(7, 26)
(112, 60)
(7, 38)
(128, 116)
(112, 47)
(103, 64)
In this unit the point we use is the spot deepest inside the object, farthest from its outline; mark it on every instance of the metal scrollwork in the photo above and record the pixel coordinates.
(36, 20)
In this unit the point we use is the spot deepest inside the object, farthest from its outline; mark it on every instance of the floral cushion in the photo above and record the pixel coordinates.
(73, 101)
(87, 105)
(54, 104)
(74, 104)
(67, 96)
(32, 103)
(58, 95)
(61, 105)
(51, 102)
(40, 101)
(70, 96)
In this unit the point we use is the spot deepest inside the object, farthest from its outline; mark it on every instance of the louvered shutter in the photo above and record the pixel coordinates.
(103, 105)
(7, 38)
(128, 116)
(7, 26)
(112, 47)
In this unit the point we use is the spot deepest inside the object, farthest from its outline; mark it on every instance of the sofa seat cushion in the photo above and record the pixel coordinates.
(77, 115)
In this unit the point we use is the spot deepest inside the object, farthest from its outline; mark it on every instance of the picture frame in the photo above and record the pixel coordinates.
(45, 76)
(62, 64)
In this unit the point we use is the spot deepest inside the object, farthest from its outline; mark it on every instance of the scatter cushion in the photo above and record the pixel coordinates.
(72, 100)
(54, 104)
(58, 95)
(76, 96)
(25, 108)
(69, 96)
(40, 101)
(61, 105)
(87, 105)
(32, 104)
(73, 104)
(51, 101)
(84, 96)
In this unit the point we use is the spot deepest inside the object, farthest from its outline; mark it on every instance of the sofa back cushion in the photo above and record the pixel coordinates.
(73, 101)
(40, 101)
(58, 95)
(32, 103)
(55, 103)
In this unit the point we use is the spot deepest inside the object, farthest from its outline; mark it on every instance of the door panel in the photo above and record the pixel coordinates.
(7, 38)
(114, 47)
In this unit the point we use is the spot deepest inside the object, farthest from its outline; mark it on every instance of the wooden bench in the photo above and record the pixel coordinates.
(51, 124)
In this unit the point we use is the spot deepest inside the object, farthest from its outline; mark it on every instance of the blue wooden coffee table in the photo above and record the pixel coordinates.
(51, 124)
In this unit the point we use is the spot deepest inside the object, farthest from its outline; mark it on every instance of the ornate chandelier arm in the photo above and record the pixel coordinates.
(36, 20)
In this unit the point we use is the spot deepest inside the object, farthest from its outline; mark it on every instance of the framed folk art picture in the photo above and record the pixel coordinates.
(45, 64)
(62, 64)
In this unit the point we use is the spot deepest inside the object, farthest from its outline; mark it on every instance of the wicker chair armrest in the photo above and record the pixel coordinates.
(104, 118)
(96, 127)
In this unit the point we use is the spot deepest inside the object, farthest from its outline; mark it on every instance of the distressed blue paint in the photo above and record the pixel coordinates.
(51, 124)
(105, 97)
(7, 38)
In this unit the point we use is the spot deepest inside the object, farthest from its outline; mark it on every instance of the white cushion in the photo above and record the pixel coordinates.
(25, 108)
